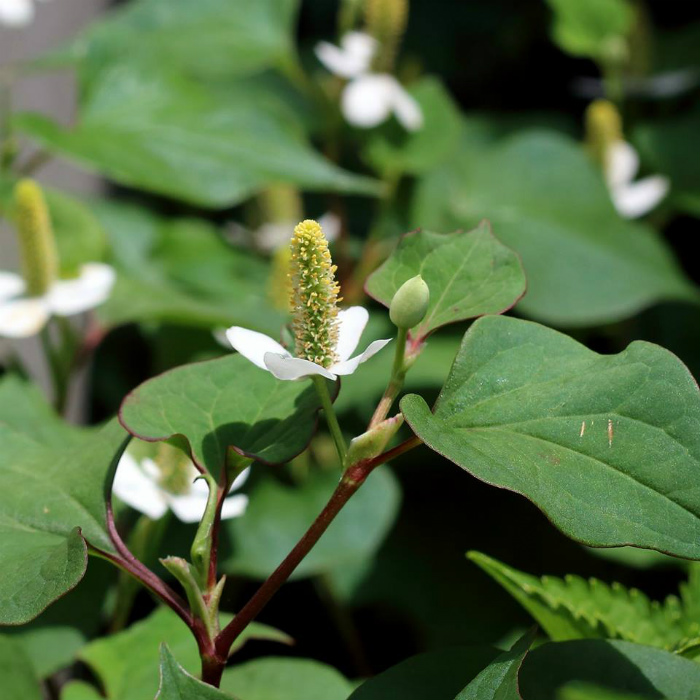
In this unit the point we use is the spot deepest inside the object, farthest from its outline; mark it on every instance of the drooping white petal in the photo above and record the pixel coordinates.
(352, 58)
(90, 289)
(349, 366)
(351, 324)
(240, 480)
(11, 284)
(22, 318)
(189, 508)
(407, 109)
(253, 345)
(638, 198)
(16, 13)
(234, 506)
(291, 368)
(622, 164)
(136, 489)
(368, 100)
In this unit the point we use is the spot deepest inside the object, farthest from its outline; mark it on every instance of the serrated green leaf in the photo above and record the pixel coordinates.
(548, 202)
(469, 274)
(278, 515)
(177, 684)
(612, 665)
(274, 678)
(499, 680)
(147, 127)
(221, 405)
(51, 501)
(606, 446)
(17, 679)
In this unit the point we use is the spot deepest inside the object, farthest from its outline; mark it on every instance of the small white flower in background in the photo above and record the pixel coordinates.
(24, 316)
(369, 98)
(268, 354)
(273, 236)
(140, 484)
(17, 13)
(631, 199)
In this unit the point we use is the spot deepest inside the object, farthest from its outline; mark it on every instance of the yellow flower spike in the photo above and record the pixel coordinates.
(603, 128)
(279, 288)
(386, 21)
(36, 238)
(314, 295)
(175, 469)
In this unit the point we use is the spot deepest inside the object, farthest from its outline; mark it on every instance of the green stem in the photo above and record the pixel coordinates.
(202, 544)
(58, 380)
(6, 146)
(331, 418)
(398, 375)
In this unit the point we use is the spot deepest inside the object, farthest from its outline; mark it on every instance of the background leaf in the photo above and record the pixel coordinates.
(17, 678)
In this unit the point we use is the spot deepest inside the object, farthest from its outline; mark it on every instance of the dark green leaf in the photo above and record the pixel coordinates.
(224, 404)
(177, 684)
(469, 275)
(606, 446)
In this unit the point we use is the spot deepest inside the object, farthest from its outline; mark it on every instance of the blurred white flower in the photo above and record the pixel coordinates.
(23, 316)
(17, 13)
(631, 199)
(139, 484)
(369, 98)
(268, 354)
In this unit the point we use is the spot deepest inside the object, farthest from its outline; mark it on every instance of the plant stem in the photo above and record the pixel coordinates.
(58, 380)
(398, 375)
(354, 476)
(331, 418)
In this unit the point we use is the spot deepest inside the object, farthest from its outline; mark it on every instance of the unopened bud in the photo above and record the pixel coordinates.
(36, 238)
(373, 442)
(410, 303)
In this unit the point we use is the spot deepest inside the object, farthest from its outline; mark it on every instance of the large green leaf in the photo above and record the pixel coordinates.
(606, 446)
(79, 690)
(499, 680)
(469, 275)
(274, 678)
(221, 405)
(17, 679)
(155, 130)
(177, 684)
(51, 501)
(616, 666)
(591, 28)
(584, 264)
(209, 38)
(435, 675)
(575, 608)
(278, 515)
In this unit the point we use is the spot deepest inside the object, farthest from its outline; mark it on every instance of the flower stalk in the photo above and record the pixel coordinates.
(331, 418)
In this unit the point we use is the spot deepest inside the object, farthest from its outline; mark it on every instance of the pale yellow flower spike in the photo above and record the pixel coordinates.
(36, 238)
(314, 295)
(603, 128)
(386, 21)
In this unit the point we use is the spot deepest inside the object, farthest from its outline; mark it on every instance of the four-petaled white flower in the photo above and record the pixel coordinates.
(23, 316)
(268, 354)
(138, 484)
(631, 199)
(369, 98)
(17, 13)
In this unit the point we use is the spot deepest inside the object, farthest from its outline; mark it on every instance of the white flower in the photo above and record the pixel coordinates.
(268, 354)
(137, 483)
(631, 199)
(369, 98)
(22, 316)
(17, 13)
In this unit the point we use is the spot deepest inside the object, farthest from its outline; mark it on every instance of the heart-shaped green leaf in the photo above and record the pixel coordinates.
(177, 684)
(469, 274)
(51, 501)
(607, 446)
(224, 404)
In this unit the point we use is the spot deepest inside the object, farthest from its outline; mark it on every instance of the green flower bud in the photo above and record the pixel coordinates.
(371, 443)
(410, 303)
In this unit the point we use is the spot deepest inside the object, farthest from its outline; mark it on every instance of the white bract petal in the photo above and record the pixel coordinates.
(138, 489)
(253, 345)
(638, 198)
(622, 164)
(22, 318)
(352, 58)
(368, 100)
(330, 223)
(11, 285)
(407, 109)
(189, 507)
(351, 324)
(270, 237)
(90, 289)
(349, 366)
(234, 506)
(16, 13)
(291, 368)
(240, 480)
